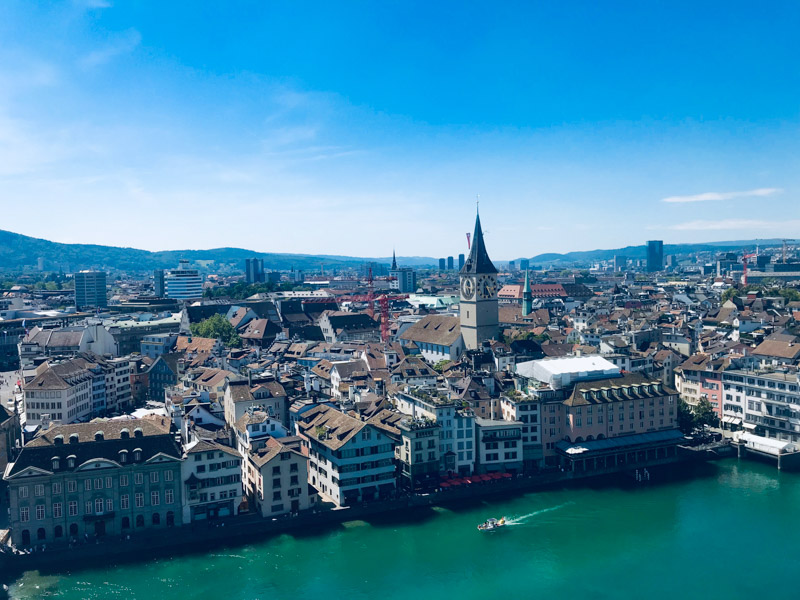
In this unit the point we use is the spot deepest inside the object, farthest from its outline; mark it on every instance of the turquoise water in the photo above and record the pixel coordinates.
(728, 533)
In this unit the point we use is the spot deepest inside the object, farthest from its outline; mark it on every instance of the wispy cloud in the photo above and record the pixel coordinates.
(715, 196)
(734, 224)
(121, 44)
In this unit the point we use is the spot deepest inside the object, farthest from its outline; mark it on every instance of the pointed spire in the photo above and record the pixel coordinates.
(527, 296)
(527, 287)
(394, 261)
(478, 260)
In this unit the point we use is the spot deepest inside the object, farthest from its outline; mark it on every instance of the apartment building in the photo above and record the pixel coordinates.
(276, 478)
(212, 478)
(764, 402)
(92, 480)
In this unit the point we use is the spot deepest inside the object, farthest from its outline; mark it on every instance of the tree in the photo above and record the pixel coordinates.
(215, 327)
(704, 414)
(685, 417)
(729, 293)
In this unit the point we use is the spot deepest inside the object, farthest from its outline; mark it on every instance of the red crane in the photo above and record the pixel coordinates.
(745, 258)
(383, 305)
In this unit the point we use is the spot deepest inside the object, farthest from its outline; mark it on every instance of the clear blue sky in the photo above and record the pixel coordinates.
(352, 128)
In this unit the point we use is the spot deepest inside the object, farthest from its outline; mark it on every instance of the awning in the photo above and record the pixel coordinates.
(750, 426)
(732, 420)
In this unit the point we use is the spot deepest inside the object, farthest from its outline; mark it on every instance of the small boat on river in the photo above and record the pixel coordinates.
(492, 524)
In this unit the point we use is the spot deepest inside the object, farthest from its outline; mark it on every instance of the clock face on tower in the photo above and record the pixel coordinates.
(487, 287)
(468, 288)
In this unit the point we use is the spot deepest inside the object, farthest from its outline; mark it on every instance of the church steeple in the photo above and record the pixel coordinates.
(527, 296)
(478, 260)
(394, 261)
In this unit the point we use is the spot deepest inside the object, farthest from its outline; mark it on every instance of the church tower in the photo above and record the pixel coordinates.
(479, 317)
(527, 297)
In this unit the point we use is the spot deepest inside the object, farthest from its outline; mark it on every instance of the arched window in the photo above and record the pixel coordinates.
(137, 454)
(71, 462)
(123, 456)
(156, 519)
(56, 463)
(73, 529)
(98, 506)
(40, 533)
(126, 523)
(140, 520)
(59, 531)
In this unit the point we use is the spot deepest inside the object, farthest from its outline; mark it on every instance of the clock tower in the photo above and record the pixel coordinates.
(478, 278)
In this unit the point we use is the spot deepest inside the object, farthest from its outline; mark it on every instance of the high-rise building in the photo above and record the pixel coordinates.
(90, 290)
(442, 264)
(404, 279)
(254, 270)
(183, 283)
(524, 264)
(655, 256)
(512, 266)
(460, 261)
(479, 308)
(620, 262)
(158, 283)
(450, 263)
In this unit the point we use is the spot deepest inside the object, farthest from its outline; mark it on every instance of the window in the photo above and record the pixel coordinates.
(139, 498)
(87, 485)
(39, 512)
(169, 496)
(72, 508)
(108, 482)
(123, 480)
(57, 510)
(154, 477)
(98, 483)
(138, 479)
(124, 501)
(57, 487)
(88, 507)
(24, 514)
(109, 505)
(72, 486)
(276, 483)
(98, 506)
(155, 500)
(23, 491)
(167, 475)
(276, 471)
(38, 489)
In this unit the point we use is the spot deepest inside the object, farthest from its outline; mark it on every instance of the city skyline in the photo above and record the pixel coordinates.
(371, 123)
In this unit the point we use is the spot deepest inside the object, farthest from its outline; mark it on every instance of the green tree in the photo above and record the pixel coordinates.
(217, 327)
(729, 293)
(704, 414)
(685, 417)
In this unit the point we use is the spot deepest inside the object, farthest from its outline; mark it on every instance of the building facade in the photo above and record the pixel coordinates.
(183, 283)
(81, 482)
(90, 290)
(478, 305)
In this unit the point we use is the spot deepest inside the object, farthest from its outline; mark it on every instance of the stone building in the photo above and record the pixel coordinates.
(76, 482)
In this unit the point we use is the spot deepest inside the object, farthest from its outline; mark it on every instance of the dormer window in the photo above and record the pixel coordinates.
(58, 440)
(71, 462)
(124, 434)
(56, 463)
(99, 436)
(123, 456)
(73, 438)
(137, 455)
(138, 432)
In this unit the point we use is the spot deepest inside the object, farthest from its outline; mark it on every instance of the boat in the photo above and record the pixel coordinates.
(492, 524)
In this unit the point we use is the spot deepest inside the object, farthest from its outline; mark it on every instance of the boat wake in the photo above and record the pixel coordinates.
(521, 520)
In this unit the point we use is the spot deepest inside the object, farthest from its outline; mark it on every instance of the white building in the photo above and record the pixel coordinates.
(528, 411)
(276, 478)
(350, 461)
(183, 283)
(61, 393)
(561, 372)
(762, 402)
(254, 428)
(212, 477)
(438, 337)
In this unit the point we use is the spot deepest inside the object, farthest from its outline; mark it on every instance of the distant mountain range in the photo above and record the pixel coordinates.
(640, 252)
(20, 251)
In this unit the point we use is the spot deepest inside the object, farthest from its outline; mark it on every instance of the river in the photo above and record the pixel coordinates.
(724, 533)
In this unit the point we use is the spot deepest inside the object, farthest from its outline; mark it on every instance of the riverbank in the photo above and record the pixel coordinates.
(607, 538)
(241, 529)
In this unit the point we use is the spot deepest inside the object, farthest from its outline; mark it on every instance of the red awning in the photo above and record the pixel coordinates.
(507, 475)
(444, 484)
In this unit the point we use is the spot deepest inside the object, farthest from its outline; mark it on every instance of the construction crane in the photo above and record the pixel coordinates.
(383, 306)
(745, 258)
(784, 249)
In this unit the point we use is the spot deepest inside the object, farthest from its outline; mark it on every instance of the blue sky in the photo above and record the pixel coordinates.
(352, 128)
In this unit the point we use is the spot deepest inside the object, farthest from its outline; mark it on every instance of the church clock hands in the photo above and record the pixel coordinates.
(486, 287)
(468, 288)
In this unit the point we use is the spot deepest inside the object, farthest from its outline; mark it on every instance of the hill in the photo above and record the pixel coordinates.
(20, 251)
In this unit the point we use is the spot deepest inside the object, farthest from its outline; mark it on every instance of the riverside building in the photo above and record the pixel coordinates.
(80, 482)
